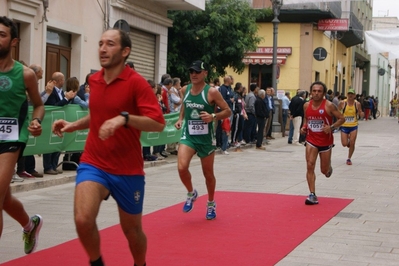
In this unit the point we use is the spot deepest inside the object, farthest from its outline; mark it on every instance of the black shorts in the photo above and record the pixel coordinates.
(12, 147)
(320, 148)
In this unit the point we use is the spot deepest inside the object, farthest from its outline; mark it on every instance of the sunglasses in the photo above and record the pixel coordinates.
(192, 71)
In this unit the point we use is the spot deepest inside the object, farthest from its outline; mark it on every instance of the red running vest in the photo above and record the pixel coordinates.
(316, 119)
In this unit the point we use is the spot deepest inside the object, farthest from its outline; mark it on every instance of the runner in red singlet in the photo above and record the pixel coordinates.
(319, 129)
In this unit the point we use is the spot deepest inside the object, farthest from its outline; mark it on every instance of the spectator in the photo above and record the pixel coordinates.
(261, 116)
(270, 107)
(57, 98)
(285, 103)
(72, 84)
(239, 115)
(296, 110)
(250, 123)
(82, 89)
(175, 101)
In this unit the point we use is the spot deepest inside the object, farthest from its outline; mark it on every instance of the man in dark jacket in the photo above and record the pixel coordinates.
(56, 98)
(296, 110)
(262, 115)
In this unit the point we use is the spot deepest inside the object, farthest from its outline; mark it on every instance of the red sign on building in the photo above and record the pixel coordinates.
(341, 24)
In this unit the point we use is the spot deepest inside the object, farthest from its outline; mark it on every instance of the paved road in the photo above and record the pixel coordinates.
(364, 233)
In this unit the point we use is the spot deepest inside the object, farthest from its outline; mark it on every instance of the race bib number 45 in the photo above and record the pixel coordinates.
(316, 125)
(9, 128)
(197, 127)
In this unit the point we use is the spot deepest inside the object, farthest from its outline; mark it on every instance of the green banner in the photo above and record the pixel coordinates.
(48, 142)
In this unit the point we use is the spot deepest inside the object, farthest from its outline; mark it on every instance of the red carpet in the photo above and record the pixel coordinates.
(251, 229)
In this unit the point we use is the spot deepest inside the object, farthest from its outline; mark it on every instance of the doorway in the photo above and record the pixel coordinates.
(261, 75)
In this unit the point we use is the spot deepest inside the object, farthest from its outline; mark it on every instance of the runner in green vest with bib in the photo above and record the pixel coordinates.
(15, 81)
(198, 115)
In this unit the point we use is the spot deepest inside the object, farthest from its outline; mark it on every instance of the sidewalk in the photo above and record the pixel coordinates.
(364, 233)
(65, 177)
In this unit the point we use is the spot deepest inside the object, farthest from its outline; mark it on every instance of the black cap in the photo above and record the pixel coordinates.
(197, 66)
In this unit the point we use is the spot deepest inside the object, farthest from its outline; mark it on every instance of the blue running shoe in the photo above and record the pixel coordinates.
(312, 199)
(191, 197)
(211, 210)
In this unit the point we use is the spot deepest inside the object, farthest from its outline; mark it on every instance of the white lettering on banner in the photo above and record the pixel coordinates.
(269, 50)
(261, 61)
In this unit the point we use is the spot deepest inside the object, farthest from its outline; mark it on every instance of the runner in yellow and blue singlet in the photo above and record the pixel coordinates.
(351, 109)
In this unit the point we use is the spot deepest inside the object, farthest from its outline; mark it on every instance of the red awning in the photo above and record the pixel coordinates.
(257, 59)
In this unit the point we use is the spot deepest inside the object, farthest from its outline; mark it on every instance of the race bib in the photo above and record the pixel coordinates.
(316, 125)
(349, 119)
(9, 128)
(197, 127)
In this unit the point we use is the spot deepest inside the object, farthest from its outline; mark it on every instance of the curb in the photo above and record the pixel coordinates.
(38, 183)
(70, 176)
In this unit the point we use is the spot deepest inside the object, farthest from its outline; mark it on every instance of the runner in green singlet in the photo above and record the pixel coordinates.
(15, 81)
(197, 112)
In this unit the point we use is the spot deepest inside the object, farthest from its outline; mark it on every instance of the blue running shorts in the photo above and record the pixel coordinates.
(348, 130)
(127, 190)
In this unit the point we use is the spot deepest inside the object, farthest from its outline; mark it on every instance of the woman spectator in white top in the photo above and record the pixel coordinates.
(175, 96)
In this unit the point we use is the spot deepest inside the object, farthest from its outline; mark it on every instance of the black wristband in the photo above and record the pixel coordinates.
(38, 120)
(126, 116)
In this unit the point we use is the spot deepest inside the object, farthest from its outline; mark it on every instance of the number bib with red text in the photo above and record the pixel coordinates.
(316, 125)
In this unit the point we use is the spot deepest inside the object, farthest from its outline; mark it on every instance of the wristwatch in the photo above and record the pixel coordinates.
(332, 128)
(38, 120)
(214, 116)
(126, 116)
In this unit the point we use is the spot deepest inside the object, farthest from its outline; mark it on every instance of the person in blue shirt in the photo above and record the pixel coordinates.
(285, 102)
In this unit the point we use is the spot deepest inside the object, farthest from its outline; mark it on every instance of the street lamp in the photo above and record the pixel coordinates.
(276, 5)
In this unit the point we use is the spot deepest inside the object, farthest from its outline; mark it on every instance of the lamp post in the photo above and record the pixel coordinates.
(276, 5)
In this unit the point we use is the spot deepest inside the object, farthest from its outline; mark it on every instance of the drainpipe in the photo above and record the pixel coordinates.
(106, 14)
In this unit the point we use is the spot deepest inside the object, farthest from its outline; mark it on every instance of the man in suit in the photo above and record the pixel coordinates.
(56, 98)
(270, 109)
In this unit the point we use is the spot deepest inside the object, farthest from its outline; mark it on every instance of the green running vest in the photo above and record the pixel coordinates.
(195, 130)
(13, 105)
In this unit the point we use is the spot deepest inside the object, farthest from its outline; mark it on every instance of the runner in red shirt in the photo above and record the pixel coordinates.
(319, 129)
(122, 105)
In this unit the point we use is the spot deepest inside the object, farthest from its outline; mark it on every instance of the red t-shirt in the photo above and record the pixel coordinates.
(121, 153)
(316, 119)
(226, 124)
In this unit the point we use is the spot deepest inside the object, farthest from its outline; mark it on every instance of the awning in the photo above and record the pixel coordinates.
(257, 59)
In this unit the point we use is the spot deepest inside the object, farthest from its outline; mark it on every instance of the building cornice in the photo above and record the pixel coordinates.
(26, 7)
(142, 13)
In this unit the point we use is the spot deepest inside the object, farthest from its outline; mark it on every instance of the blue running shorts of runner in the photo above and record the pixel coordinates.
(127, 190)
(348, 130)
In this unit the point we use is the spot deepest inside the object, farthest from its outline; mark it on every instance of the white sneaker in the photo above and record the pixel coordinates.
(225, 153)
(16, 178)
(242, 142)
(159, 156)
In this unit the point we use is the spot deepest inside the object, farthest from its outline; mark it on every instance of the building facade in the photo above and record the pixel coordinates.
(385, 71)
(308, 51)
(63, 35)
